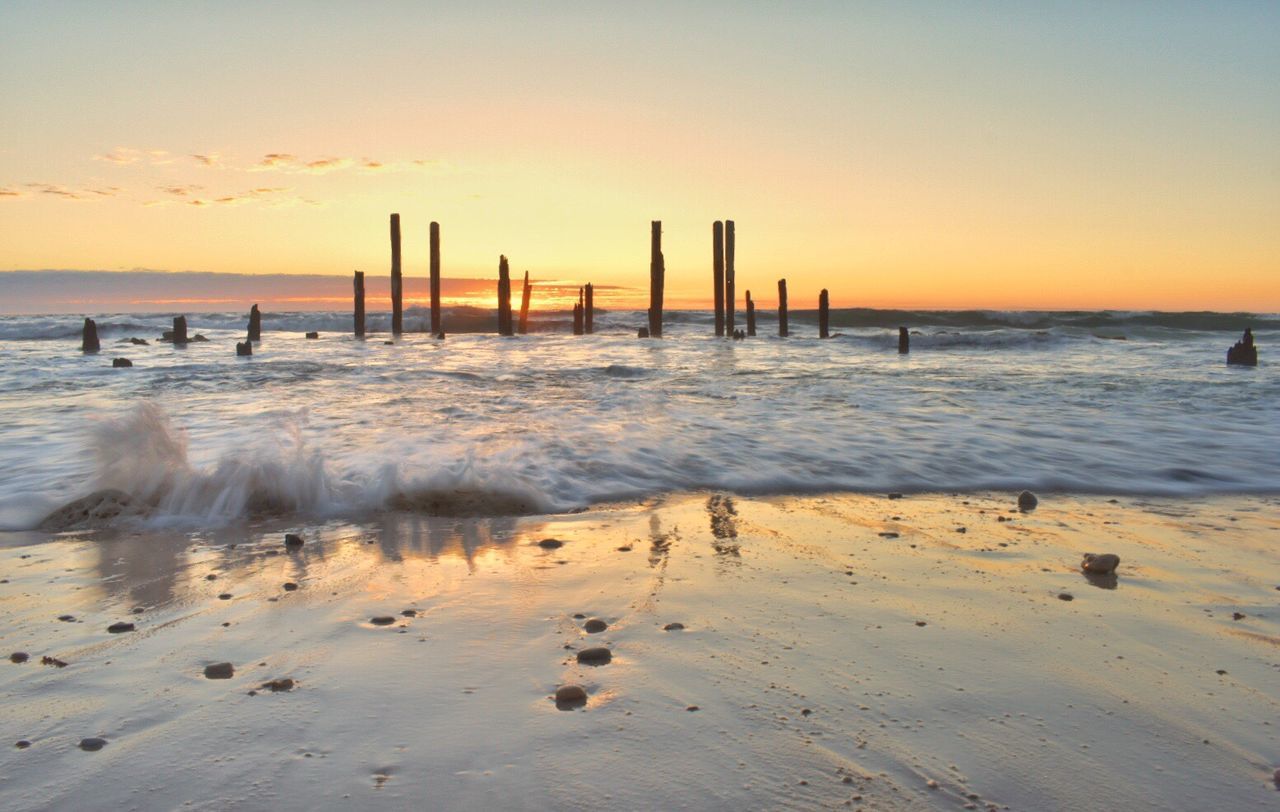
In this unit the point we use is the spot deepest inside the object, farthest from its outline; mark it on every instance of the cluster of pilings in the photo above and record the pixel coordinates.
(397, 285)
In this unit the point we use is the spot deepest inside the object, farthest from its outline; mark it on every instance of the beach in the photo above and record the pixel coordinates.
(837, 650)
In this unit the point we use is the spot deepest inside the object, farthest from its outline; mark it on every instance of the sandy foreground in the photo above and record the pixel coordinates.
(824, 662)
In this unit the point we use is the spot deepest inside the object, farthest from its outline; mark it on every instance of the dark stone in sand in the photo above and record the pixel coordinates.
(579, 616)
(98, 507)
(19, 657)
(1237, 616)
(53, 661)
(67, 618)
(693, 708)
(290, 586)
(22, 744)
(119, 363)
(627, 549)
(962, 530)
(225, 596)
(595, 656)
(1100, 564)
(244, 348)
(570, 696)
(211, 577)
(382, 620)
(277, 685)
(594, 625)
(1243, 353)
(550, 544)
(921, 623)
(889, 534)
(92, 744)
(293, 540)
(117, 628)
(673, 627)
(409, 612)
(137, 610)
(1027, 501)
(313, 334)
(1066, 596)
(895, 496)
(219, 671)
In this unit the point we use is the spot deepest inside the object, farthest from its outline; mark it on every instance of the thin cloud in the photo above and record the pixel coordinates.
(326, 165)
(123, 156)
(208, 159)
(56, 191)
(180, 191)
(7, 192)
(276, 160)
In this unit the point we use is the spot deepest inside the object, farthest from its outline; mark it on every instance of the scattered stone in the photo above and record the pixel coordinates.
(389, 343)
(895, 496)
(22, 744)
(141, 342)
(313, 334)
(98, 507)
(693, 708)
(225, 596)
(219, 671)
(598, 655)
(1027, 501)
(19, 657)
(1100, 564)
(805, 712)
(626, 548)
(117, 628)
(53, 661)
(962, 530)
(673, 627)
(67, 618)
(409, 612)
(293, 540)
(92, 744)
(579, 616)
(888, 534)
(120, 363)
(1066, 596)
(594, 626)
(382, 620)
(921, 623)
(1237, 615)
(277, 685)
(1222, 672)
(137, 610)
(211, 577)
(570, 696)
(290, 586)
(550, 544)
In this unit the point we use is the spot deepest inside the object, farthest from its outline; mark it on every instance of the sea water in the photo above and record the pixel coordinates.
(336, 427)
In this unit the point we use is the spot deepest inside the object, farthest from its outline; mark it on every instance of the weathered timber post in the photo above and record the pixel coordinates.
(244, 348)
(435, 279)
(504, 297)
(525, 293)
(358, 284)
(657, 274)
(717, 273)
(782, 308)
(904, 341)
(589, 310)
(751, 315)
(179, 329)
(577, 314)
(255, 324)
(729, 303)
(397, 282)
(823, 315)
(89, 337)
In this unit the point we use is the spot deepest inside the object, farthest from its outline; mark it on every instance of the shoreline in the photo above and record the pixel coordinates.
(934, 665)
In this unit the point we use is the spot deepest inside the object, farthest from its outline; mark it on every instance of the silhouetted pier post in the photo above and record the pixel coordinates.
(358, 284)
(904, 341)
(730, 302)
(504, 297)
(782, 308)
(717, 273)
(255, 324)
(824, 315)
(179, 329)
(244, 348)
(435, 279)
(751, 315)
(89, 337)
(577, 315)
(588, 311)
(657, 274)
(525, 293)
(397, 282)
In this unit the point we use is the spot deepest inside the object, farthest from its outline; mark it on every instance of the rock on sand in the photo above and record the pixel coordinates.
(98, 507)
(571, 696)
(92, 744)
(1027, 501)
(219, 671)
(595, 656)
(1100, 564)
(594, 625)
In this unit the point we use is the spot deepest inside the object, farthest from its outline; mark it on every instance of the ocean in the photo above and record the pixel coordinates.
(339, 428)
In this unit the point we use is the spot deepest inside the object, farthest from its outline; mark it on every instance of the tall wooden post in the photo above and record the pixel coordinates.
(89, 337)
(729, 298)
(823, 315)
(577, 315)
(751, 315)
(255, 324)
(782, 308)
(904, 341)
(525, 293)
(358, 284)
(717, 272)
(504, 297)
(397, 283)
(657, 274)
(589, 310)
(435, 279)
(180, 330)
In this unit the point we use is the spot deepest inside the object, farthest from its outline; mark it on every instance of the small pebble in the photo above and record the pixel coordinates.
(1066, 596)
(1100, 564)
(19, 657)
(219, 671)
(921, 623)
(225, 596)
(211, 577)
(571, 696)
(931, 784)
(285, 684)
(67, 618)
(673, 627)
(382, 620)
(290, 586)
(1237, 615)
(293, 540)
(594, 626)
(409, 612)
(550, 544)
(117, 628)
(895, 496)
(595, 656)
(22, 744)
(1027, 501)
(53, 661)
(693, 708)
(92, 744)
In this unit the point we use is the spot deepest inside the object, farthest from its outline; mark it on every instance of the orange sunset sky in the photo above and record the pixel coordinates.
(1047, 155)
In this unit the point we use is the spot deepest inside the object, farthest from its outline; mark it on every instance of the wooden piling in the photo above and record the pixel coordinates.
(782, 308)
(657, 274)
(823, 315)
(397, 283)
(255, 324)
(358, 284)
(729, 303)
(904, 341)
(578, 315)
(525, 293)
(589, 310)
(436, 326)
(89, 337)
(717, 273)
(751, 315)
(504, 297)
(180, 330)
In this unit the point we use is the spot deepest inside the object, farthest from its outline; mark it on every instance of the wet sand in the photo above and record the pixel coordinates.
(836, 652)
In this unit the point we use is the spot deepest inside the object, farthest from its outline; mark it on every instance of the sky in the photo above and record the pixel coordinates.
(901, 154)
